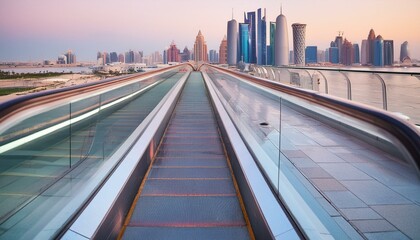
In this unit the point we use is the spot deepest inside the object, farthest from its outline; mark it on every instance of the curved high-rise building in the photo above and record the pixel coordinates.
(232, 42)
(299, 31)
(364, 52)
(281, 46)
(405, 53)
(371, 48)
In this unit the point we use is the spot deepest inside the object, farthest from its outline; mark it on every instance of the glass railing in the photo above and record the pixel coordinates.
(265, 122)
(394, 90)
(56, 157)
(294, 134)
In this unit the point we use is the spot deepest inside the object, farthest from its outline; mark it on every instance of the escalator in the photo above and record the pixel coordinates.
(189, 191)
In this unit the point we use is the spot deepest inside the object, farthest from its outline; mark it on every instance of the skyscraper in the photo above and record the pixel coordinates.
(339, 43)
(138, 57)
(129, 56)
(223, 51)
(165, 56)
(249, 18)
(107, 59)
(299, 31)
(356, 56)
(378, 58)
(113, 57)
(200, 48)
(388, 52)
(405, 53)
(281, 42)
(244, 42)
(347, 53)
(185, 55)
(71, 58)
(333, 55)
(272, 43)
(213, 56)
(232, 42)
(173, 53)
(371, 48)
(269, 56)
(321, 56)
(262, 38)
(121, 58)
(311, 54)
(365, 52)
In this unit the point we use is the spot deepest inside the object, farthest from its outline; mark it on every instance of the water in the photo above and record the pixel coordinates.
(399, 93)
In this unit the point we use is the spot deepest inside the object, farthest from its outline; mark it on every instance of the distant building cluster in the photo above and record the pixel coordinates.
(173, 54)
(247, 43)
(67, 58)
(375, 51)
(129, 57)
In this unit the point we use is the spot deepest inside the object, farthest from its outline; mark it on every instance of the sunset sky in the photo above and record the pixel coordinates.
(44, 29)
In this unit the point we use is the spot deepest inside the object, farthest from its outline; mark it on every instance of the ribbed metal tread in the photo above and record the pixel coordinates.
(189, 192)
(186, 233)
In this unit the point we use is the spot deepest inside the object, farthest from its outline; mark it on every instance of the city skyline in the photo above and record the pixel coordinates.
(45, 29)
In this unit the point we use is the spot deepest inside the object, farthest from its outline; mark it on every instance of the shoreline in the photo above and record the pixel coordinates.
(43, 84)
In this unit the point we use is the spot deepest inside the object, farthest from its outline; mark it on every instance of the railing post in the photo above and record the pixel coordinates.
(273, 72)
(348, 85)
(310, 77)
(70, 135)
(326, 81)
(384, 91)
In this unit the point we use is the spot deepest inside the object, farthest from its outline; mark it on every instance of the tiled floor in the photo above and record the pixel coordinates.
(361, 186)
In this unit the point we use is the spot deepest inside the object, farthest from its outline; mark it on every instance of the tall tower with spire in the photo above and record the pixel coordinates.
(200, 48)
(249, 18)
(281, 51)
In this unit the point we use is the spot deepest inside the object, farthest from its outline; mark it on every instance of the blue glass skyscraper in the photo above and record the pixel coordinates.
(249, 18)
(272, 44)
(311, 54)
(388, 52)
(356, 57)
(244, 42)
(378, 58)
(333, 54)
(262, 38)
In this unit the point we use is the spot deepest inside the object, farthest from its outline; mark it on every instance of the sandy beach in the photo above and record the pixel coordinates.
(42, 84)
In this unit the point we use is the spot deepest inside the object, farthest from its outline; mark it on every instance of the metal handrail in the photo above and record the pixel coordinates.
(404, 132)
(349, 70)
(9, 108)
